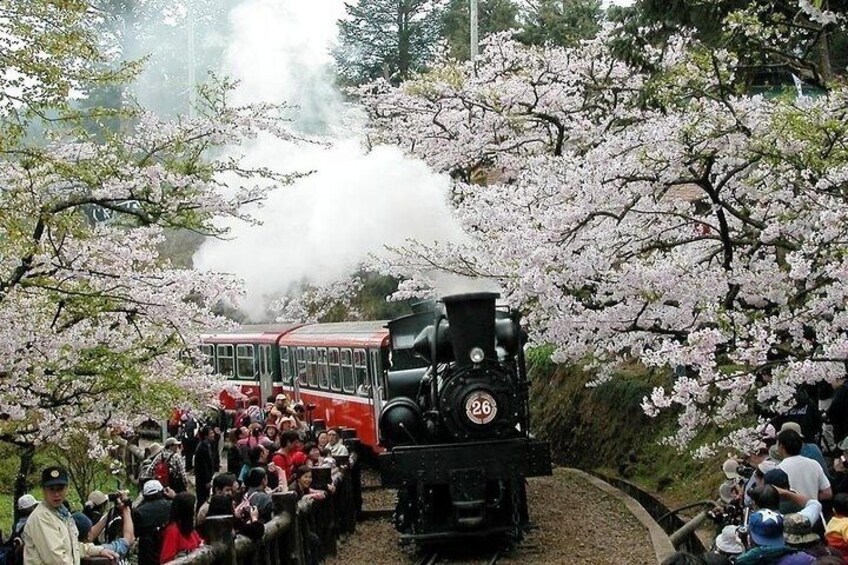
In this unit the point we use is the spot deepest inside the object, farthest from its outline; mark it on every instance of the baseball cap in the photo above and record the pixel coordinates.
(776, 477)
(26, 502)
(152, 488)
(171, 441)
(54, 477)
(766, 528)
(96, 498)
(729, 467)
(794, 426)
(281, 397)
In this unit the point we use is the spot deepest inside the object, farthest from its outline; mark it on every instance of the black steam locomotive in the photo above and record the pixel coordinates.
(457, 430)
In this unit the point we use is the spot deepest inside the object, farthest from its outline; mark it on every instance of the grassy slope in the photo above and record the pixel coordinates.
(603, 427)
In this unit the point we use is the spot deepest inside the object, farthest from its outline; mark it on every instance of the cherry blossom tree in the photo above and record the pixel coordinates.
(666, 217)
(97, 330)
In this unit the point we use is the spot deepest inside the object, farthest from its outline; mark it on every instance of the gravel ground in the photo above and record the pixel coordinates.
(575, 523)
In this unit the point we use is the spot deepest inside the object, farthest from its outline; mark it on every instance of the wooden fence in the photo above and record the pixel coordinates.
(300, 533)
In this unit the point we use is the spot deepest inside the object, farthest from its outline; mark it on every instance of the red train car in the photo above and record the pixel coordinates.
(338, 368)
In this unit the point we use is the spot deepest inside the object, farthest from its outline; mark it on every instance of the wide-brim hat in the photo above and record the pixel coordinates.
(155, 448)
(729, 467)
(96, 498)
(728, 542)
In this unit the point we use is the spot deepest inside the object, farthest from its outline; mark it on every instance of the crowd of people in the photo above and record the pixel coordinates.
(181, 485)
(786, 501)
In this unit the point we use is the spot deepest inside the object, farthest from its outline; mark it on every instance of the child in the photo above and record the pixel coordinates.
(836, 533)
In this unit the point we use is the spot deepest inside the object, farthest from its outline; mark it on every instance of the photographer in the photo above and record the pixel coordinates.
(122, 507)
(150, 517)
(246, 523)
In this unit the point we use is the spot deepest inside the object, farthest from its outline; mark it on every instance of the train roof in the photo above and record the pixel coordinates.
(340, 334)
(253, 333)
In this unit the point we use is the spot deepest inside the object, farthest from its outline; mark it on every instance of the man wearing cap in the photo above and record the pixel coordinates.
(808, 450)
(766, 543)
(145, 470)
(805, 475)
(26, 504)
(150, 517)
(177, 478)
(50, 535)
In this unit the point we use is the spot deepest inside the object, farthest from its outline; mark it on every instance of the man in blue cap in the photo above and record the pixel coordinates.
(766, 542)
(51, 535)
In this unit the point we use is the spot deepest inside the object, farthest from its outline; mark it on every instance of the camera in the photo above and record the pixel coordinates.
(118, 497)
(744, 471)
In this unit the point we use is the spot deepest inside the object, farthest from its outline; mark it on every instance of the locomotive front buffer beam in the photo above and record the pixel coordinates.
(500, 460)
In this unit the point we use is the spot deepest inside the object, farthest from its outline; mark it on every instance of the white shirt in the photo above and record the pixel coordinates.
(805, 475)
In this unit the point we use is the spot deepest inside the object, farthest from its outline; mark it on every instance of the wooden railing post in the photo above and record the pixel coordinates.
(220, 531)
(291, 543)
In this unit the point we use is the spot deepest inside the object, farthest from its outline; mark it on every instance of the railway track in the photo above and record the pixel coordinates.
(436, 558)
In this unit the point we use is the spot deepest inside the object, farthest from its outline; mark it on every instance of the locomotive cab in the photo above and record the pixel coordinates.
(457, 430)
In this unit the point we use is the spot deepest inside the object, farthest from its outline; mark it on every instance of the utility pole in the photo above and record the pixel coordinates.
(192, 78)
(473, 9)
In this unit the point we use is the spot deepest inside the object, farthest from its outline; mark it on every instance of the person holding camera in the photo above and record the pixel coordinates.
(51, 536)
(150, 517)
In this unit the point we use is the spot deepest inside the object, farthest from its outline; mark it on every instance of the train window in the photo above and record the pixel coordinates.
(301, 366)
(335, 370)
(285, 367)
(225, 360)
(360, 371)
(311, 373)
(246, 364)
(321, 367)
(265, 367)
(347, 371)
(208, 353)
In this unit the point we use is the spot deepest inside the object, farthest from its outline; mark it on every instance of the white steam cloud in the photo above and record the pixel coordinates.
(355, 203)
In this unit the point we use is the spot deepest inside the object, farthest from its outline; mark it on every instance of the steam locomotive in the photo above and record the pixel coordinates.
(456, 431)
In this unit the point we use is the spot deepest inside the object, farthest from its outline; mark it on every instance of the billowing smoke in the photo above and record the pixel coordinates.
(355, 202)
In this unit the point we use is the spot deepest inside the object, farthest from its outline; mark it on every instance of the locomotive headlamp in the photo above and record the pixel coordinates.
(476, 355)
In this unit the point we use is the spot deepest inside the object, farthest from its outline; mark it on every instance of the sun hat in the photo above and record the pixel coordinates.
(728, 542)
(798, 530)
(729, 467)
(96, 498)
(154, 449)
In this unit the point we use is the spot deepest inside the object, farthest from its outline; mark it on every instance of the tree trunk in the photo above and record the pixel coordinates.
(27, 455)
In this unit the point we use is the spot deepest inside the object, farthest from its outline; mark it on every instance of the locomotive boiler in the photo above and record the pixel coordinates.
(456, 432)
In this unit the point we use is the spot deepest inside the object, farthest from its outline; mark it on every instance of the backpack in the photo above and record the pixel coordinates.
(162, 471)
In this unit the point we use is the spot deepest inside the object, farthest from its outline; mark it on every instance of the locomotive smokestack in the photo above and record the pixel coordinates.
(472, 326)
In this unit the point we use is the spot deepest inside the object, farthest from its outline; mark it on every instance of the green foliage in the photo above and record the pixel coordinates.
(561, 22)
(387, 39)
(493, 16)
